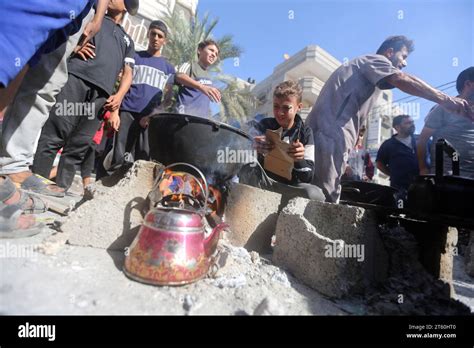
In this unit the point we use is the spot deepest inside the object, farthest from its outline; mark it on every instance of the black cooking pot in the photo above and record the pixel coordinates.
(368, 193)
(443, 194)
(217, 149)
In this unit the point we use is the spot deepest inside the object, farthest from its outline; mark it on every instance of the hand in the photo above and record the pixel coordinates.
(144, 121)
(113, 103)
(114, 121)
(262, 145)
(459, 106)
(85, 52)
(296, 151)
(89, 32)
(213, 93)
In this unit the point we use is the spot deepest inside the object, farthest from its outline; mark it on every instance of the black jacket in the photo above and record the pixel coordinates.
(303, 170)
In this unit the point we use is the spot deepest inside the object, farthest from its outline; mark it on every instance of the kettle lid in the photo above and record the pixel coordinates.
(172, 218)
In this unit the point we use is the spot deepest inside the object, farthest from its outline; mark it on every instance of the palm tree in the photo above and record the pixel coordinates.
(184, 37)
(237, 103)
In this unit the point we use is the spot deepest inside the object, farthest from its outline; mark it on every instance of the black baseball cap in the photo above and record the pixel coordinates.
(159, 25)
(132, 6)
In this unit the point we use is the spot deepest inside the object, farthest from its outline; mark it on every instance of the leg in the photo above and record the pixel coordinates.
(30, 109)
(312, 192)
(124, 140)
(329, 165)
(87, 166)
(142, 148)
(254, 175)
(80, 140)
(52, 139)
(75, 151)
(59, 126)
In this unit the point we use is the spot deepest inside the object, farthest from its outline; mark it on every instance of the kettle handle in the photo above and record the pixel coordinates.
(206, 186)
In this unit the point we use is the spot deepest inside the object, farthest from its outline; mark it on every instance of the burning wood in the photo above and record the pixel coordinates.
(215, 201)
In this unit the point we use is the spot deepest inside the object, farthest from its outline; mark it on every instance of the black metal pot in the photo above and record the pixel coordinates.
(443, 194)
(369, 193)
(217, 149)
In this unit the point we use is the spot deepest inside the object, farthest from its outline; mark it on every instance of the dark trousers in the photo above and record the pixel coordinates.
(254, 175)
(87, 166)
(72, 123)
(129, 144)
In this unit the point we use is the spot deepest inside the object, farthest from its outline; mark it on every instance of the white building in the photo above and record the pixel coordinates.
(311, 67)
(150, 10)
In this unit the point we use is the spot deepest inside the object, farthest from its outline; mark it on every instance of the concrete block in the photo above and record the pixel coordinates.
(335, 249)
(252, 215)
(112, 218)
(436, 245)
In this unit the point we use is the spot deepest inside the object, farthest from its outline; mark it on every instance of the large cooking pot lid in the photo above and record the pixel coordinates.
(217, 149)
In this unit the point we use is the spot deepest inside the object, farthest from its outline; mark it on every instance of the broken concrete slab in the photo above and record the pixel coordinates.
(335, 249)
(252, 214)
(410, 288)
(112, 218)
(437, 246)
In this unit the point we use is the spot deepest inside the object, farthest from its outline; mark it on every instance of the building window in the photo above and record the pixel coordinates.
(137, 28)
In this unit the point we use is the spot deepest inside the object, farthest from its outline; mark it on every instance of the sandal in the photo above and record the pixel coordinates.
(8, 189)
(10, 216)
(40, 185)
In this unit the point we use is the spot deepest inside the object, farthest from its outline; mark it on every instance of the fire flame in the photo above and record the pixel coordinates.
(178, 185)
(215, 202)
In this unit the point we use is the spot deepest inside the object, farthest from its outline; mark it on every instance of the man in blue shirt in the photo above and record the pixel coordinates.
(397, 156)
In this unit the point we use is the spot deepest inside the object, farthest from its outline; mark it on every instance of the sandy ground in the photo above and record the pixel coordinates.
(57, 278)
(80, 280)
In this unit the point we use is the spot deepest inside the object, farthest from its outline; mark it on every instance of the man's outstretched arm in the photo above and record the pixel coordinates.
(413, 85)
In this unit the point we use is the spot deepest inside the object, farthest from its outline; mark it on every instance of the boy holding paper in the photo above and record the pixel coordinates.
(288, 161)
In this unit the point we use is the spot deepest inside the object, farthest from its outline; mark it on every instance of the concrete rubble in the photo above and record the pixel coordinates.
(121, 207)
(252, 214)
(312, 239)
(77, 268)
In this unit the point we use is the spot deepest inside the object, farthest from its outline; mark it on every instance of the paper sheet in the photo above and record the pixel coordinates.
(278, 161)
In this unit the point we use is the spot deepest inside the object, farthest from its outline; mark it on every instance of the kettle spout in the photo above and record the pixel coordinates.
(210, 243)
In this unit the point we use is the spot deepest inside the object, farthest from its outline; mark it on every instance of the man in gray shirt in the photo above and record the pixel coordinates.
(459, 131)
(346, 99)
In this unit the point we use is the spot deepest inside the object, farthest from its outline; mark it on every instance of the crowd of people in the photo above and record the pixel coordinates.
(65, 81)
